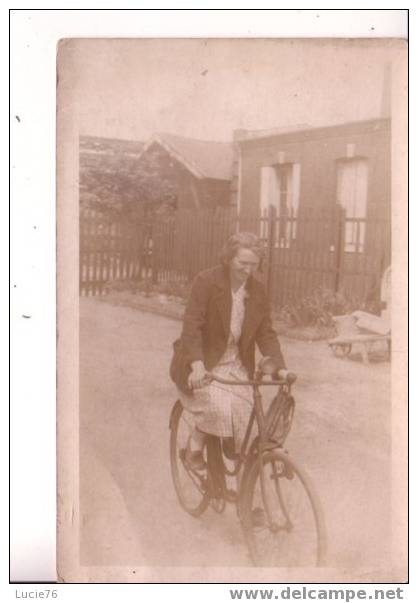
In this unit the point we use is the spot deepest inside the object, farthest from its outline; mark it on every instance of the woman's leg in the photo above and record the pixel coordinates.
(197, 440)
(194, 451)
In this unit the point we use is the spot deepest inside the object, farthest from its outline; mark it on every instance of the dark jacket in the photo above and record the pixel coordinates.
(207, 323)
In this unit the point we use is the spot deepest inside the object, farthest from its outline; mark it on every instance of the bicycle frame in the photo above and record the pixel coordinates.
(257, 413)
(269, 475)
(263, 442)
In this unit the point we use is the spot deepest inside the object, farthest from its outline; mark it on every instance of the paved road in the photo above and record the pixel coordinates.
(129, 512)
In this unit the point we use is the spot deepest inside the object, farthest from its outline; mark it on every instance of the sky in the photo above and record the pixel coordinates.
(131, 88)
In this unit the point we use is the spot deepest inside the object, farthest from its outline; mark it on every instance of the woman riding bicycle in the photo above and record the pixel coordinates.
(226, 315)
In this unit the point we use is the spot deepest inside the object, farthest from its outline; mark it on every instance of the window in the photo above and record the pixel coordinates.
(280, 189)
(352, 196)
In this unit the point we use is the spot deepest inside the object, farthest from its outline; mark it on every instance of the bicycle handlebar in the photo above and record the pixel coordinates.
(285, 378)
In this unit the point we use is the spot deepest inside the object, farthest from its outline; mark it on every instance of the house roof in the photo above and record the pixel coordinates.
(242, 136)
(203, 158)
(110, 146)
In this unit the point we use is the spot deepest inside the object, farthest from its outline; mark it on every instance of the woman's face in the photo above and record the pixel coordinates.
(243, 264)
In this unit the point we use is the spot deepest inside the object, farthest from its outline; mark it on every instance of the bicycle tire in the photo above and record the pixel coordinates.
(193, 500)
(295, 538)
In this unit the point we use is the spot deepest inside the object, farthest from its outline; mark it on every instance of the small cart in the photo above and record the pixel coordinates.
(341, 346)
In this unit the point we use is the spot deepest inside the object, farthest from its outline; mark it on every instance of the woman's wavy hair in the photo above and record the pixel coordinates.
(242, 240)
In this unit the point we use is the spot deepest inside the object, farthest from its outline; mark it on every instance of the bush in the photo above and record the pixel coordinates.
(171, 289)
(318, 310)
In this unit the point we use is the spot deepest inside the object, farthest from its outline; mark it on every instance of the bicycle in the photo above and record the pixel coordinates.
(279, 510)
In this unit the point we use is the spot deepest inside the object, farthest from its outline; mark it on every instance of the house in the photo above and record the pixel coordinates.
(329, 189)
(201, 169)
(303, 167)
(318, 196)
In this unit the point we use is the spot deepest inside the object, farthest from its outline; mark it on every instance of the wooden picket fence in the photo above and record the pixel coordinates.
(189, 242)
(315, 249)
(167, 249)
(111, 250)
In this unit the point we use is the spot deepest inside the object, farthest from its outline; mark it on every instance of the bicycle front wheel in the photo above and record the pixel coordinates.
(281, 515)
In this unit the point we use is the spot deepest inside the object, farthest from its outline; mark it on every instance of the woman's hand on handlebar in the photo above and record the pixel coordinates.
(284, 375)
(198, 376)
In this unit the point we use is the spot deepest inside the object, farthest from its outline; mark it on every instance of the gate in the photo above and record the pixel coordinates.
(323, 249)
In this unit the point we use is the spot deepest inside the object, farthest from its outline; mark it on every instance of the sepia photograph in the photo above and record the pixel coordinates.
(231, 220)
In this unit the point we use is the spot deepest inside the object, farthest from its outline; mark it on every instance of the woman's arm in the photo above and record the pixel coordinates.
(194, 320)
(267, 339)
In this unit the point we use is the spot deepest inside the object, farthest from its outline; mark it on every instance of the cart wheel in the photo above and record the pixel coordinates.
(341, 349)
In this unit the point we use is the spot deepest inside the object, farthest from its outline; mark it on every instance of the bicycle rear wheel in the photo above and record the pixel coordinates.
(281, 514)
(192, 487)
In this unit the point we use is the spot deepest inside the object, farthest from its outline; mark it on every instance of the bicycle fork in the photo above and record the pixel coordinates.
(264, 471)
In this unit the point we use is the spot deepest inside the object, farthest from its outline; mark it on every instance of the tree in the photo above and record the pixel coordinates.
(116, 180)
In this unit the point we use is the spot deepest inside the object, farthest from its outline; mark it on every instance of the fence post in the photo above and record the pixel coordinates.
(339, 247)
(271, 237)
(155, 235)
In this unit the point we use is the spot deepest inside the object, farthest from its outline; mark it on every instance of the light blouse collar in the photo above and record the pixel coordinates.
(241, 291)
